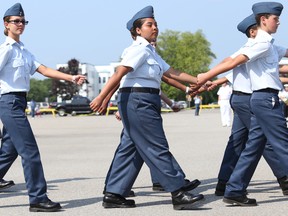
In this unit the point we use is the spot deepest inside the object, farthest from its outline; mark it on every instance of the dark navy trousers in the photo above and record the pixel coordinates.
(18, 139)
(238, 138)
(153, 176)
(267, 125)
(143, 140)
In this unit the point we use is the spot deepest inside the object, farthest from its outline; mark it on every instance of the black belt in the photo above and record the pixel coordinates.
(268, 90)
(240, 93)
(139, 89)
(22, 94)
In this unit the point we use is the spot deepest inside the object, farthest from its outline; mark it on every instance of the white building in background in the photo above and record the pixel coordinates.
(105, 72)
(97, 77)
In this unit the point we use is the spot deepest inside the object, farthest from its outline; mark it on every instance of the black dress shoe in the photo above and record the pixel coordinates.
(6, 184)
(240, 201)
(48, 206)
(283, 182)
(188, 185)
(131, 193)
(184, 200)
(220, 189)
(157, 187)
(117, 201)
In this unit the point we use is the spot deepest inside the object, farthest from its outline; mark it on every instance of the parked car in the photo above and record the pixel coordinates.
(113, 106)
(182, 104)
(77, 105)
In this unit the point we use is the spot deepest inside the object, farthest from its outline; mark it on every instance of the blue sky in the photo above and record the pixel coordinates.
(95, 31)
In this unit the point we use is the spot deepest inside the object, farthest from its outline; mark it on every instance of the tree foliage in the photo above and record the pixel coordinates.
(186, 52)
(63, 88)
(40, 90)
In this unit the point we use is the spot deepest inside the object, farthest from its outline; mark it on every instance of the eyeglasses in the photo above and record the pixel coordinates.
(18, 21)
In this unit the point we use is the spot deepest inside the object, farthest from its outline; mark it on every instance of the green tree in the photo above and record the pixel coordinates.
(40, 90)
(63, 88)
(186, 52)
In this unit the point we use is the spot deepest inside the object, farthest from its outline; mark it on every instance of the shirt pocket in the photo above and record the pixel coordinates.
(154, 68)
(18, 67)
(271, 59)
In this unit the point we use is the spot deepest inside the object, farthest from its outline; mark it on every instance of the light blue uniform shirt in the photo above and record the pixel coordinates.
(17, 64)
(241, 79)
(147, 66)
(263, 65)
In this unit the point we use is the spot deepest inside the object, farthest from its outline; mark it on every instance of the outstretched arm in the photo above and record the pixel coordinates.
(173, 106)
(222, 67)
(181, 77)
(51, 73)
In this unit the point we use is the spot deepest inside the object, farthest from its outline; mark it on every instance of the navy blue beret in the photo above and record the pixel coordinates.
(246, 23)
(146, 12)
(267, 8)
(15, 10)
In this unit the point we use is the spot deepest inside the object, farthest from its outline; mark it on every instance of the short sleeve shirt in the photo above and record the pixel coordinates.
(17, 64)
(147, 66)
(241, 79)
(263, 64)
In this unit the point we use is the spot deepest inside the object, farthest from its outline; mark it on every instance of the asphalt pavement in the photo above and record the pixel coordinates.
(76, 153)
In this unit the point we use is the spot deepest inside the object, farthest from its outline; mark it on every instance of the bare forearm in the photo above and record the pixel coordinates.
(174, 83)
(51, 73)
(180, 76)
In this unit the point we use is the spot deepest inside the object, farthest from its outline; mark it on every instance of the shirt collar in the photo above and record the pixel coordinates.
(140, 40)
(264, 34)
(11, 41)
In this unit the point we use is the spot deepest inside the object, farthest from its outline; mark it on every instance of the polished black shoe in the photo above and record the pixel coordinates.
(117, 201)
(131, 193)
(6, 184)
(283, 182)
(157, 187)
(188, 185)
(240, 201)
(185, 200)
(220, 188)
(48, 206)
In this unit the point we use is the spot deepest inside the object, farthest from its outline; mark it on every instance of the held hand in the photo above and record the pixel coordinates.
(78, 79)
(97, 106)
(117, 115)
(193, 94)
(201, 78)
(212, 86)
(193, 87)
(175, 108)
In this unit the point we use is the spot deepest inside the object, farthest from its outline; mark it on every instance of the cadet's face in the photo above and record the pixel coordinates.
(149, 30)
(16, 25)
(271, 24)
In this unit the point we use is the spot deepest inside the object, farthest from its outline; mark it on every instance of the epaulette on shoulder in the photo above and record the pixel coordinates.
(5, 44)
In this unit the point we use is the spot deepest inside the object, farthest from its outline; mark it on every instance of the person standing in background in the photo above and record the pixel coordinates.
(197, 103)
(224, 94)
(33, 108)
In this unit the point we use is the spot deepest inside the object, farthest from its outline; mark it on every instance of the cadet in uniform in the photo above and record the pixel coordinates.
(140, 106)
(17, 64)
(267, 120)
(240, 103)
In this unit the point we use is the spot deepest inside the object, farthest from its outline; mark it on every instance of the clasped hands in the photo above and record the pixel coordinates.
(201, 85)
